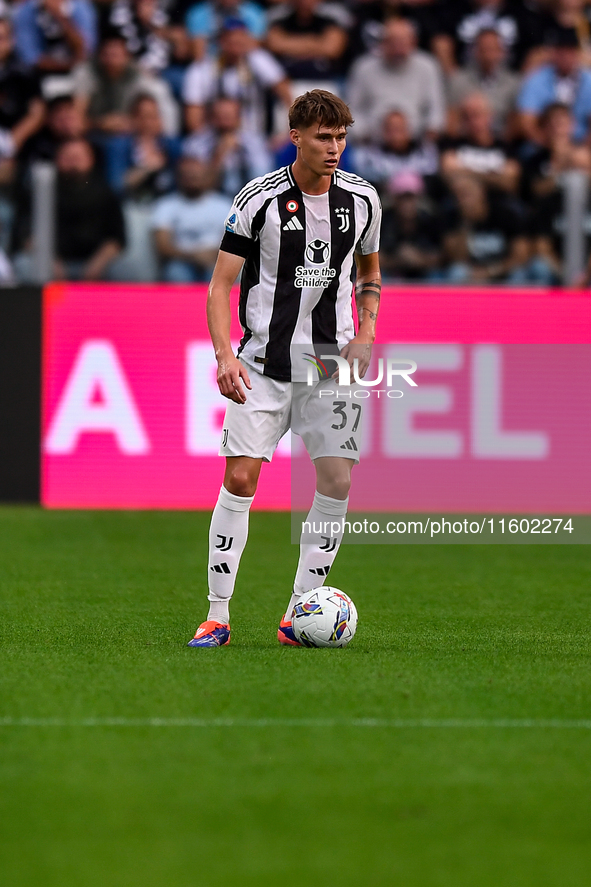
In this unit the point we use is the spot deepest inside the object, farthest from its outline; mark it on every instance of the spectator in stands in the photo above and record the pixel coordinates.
(142, 163)
(7, 275)
(488, 74)
(548, 230)
(543, 172)
(142, 23)
(411, 237)
(569, 15)
(477, 151)
(557, 154)
(105, 88)
(369, 17)
(54, 35)
(485, 240)
(235, 154)
(309, 38)
(90, 231)
(242, 72)
(522, 28)
(21, 105)
(562, 80)
(154, 35)
(399, 78)
(63, 122)
(188, 225)
(395, 153)
(205, 22)
(584, 280)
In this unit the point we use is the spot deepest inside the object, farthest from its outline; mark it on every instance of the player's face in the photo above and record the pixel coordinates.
(320, 148)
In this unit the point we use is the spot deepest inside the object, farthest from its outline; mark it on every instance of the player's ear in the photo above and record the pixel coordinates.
(294, 135)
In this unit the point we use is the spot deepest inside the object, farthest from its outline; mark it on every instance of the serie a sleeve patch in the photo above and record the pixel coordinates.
(236, 244)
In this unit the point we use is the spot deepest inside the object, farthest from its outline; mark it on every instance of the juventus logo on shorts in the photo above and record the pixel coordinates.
(225, 437)
(342, 214)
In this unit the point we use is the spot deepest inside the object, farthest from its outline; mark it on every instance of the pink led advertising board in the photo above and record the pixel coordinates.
(132, 416)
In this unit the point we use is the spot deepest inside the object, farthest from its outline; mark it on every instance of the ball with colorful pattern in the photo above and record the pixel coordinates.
(324, 617)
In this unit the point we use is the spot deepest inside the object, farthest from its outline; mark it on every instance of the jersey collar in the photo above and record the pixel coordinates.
(294, 184)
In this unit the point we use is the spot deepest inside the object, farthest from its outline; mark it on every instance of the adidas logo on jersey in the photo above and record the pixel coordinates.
(294, 224)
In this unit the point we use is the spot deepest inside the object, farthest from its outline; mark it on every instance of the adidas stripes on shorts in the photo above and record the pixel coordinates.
(328, 420)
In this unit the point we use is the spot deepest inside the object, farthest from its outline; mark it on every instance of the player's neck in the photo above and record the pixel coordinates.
(308, 181)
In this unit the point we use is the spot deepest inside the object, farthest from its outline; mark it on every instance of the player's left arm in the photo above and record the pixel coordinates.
(367, 301)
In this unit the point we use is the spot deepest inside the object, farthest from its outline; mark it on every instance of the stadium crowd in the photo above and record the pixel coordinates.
(156, 112)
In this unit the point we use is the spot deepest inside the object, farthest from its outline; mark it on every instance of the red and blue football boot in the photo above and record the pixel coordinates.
(211, 634)
(285, 634)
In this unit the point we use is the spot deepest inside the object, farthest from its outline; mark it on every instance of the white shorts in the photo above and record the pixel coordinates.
(328, 423)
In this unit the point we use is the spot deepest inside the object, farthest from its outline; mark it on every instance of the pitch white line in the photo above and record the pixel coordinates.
(393, 724)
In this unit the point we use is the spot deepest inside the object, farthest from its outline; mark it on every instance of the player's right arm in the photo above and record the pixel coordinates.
(231, 372)
(236, 246)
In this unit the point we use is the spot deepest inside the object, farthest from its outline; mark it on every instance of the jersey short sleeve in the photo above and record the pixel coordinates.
(370, 238)
(238, 237)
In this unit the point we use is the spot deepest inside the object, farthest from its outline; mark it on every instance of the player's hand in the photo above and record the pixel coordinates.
(231, 374)
(360, 351)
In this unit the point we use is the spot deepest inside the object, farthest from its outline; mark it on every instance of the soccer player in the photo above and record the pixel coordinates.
(303, 234)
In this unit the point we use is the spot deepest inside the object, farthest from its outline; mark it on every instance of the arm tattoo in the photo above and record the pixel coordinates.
(373, 290)
(362, 311)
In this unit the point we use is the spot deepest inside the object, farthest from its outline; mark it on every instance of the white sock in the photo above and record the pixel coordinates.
(228, 533)
(319, 544)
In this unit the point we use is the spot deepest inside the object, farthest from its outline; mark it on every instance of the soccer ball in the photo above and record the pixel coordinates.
(324, 617)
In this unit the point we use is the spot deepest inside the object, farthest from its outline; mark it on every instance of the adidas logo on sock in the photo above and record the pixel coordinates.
(294, 224)
(349, 444)
(220, 568)
(320, 571)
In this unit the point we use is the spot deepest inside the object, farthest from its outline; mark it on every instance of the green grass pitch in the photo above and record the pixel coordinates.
(95, 612)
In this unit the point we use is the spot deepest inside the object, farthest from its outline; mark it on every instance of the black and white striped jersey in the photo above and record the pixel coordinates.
(296, 286)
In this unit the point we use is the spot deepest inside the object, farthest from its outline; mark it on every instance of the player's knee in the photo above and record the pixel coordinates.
(241, 482)
(338, 485)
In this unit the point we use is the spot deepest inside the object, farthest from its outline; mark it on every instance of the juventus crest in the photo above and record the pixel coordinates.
(342, 214)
